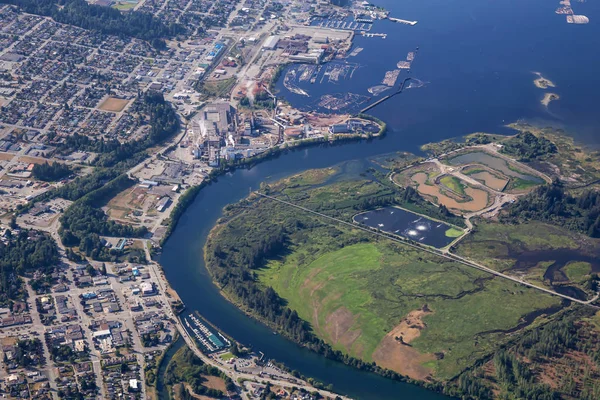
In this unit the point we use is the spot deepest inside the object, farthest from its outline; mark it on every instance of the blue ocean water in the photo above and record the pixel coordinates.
(477, 60)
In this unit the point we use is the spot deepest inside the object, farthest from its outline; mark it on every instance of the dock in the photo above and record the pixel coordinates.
(368, 34)
(403, 21)
(378, 102)
(205, 337)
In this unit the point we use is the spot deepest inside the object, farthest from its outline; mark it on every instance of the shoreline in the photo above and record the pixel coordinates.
(549, 98)
(189, 196)
(542, 83)
(347, 361)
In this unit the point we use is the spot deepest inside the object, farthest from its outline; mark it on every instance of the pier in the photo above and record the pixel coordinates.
(403, 21)
(381, 35)
(208, 340)
(400, 89)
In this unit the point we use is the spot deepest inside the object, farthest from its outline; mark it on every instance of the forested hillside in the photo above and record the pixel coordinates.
(551, 203)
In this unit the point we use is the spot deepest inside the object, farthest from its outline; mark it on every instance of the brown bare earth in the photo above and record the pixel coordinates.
(490, 180)
(214, 382)
(398, 355)
(479, 202)
(6, 156)
(113, 104)
(338, 327)
(35, 160)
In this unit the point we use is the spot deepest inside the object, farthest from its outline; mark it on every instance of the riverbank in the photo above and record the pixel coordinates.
(226, 167)
(295, 289)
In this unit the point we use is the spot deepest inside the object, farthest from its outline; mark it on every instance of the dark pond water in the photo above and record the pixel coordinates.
(493, 162)
(410, 225)
(554, 274)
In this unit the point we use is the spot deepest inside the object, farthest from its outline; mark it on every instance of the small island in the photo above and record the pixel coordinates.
(548, 97)
(541, 82)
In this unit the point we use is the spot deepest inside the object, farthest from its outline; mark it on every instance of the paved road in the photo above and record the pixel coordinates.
(159, 277)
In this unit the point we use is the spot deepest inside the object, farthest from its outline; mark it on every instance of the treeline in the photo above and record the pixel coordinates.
(106, 20)
(152, 108)
(234, 255)
(186, 367)
(543, 345)
(50, 172)
(518, 377)
(25, 349)
(22, 254)
(552, 204)
(83, 222)
(517, 368)
(526, 146)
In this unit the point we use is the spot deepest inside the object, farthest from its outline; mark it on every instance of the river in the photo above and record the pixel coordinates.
(478, 57)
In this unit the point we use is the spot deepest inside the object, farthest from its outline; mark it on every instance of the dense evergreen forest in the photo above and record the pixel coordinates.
(22, 254)
(526, 146)
(552, 204)
(102, 19)
(567, 348)
(50, 172)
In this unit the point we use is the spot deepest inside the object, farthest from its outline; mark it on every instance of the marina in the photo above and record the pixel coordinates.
(356, 25)
(208, 341)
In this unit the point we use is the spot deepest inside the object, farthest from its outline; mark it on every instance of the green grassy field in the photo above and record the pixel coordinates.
(226, 356)
(519, 184)
(454, 233)
(124, 6)
(355, 295)
(355, 289)
(577, 271)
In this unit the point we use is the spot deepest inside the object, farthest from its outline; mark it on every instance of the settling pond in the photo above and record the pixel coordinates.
(480, 157)
(404, 223)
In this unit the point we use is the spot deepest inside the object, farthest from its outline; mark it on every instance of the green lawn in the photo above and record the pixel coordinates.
(454, 233)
